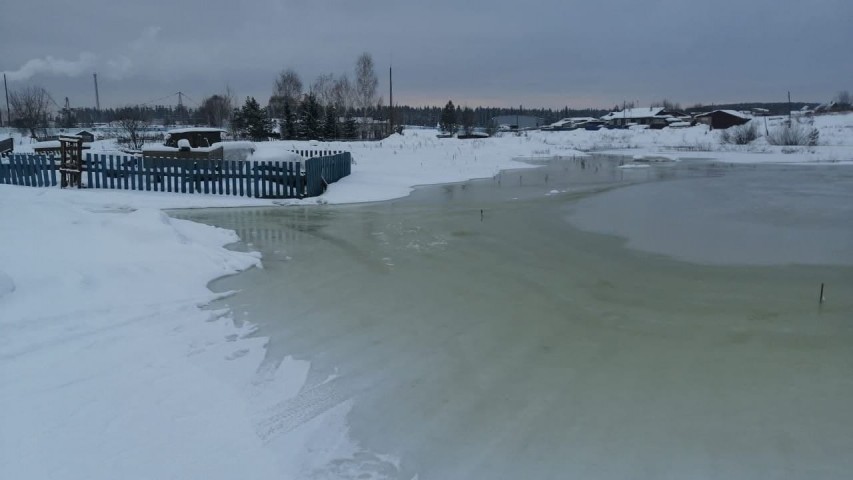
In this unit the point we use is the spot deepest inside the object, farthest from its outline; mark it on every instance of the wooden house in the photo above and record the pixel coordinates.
(722, 119)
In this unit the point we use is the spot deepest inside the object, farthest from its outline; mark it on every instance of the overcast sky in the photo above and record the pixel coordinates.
(496, 52)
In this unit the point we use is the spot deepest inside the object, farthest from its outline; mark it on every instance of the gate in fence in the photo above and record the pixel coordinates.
(71, 160)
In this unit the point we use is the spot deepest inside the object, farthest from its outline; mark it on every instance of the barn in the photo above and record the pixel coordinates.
(722, 119)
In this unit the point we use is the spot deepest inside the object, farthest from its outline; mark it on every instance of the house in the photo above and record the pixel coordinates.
(518, 122)
(722, 119)
(87, 136)
(370, 128)
(571, 123)
(639, 116)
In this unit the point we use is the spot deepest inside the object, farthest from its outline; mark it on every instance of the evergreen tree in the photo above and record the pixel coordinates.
(350, 129)
(448, 122)
(288, 129)
(330, 126)
(467, 120)
(254, 120)
(309, 118)
(238, 123)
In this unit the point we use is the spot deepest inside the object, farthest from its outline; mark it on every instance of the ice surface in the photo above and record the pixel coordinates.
(775, 215)
(476, 336)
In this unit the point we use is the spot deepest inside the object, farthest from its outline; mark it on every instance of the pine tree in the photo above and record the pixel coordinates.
(448, 122)
(257, 124)
(288, 129)
(309, 118)
(350, 129)
(330, 126)
(467, 120)
(238, 123)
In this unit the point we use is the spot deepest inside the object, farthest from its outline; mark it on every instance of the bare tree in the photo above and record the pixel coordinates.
(132, 124)
(343, 94)
(287, 90)
(30, 107)
(666, 104)
(843, 98)
(322, 89)
(366, 82)
(215, 110)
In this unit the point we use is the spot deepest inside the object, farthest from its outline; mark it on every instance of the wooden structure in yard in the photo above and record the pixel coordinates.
(71, 161)
(6, 147)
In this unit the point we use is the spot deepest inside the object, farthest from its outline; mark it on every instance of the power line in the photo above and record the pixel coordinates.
(157, 99)
(190, 98)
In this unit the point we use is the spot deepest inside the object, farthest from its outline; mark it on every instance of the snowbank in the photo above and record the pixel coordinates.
(109, 367)
(835, 144)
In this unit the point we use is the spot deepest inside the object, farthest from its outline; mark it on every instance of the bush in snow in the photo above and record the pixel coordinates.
(794, 135)
(740, 134)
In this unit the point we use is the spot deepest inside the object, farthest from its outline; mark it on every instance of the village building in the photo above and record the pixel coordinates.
(722, 119)
(655, 117)
(518, 122)
(370, 128)
(87, 136)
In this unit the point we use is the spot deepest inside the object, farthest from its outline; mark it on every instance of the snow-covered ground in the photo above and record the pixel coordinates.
(109, 366)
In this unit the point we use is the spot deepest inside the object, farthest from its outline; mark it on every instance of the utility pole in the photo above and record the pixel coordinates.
(8, 112)
(180, 109)
(97, 95)
(391, 100)
(789, 108)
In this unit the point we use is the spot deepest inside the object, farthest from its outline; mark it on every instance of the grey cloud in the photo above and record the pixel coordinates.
(549, 53)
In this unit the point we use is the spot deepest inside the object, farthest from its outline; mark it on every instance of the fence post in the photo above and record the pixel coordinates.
(88, 164)
(255, 178)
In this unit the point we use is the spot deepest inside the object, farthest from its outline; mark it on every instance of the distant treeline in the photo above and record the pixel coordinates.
(403, 115)
(429, 116)
(148, 113)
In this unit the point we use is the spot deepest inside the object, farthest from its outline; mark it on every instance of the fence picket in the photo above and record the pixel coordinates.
(25, 171)
(45, 170)
(103, 166)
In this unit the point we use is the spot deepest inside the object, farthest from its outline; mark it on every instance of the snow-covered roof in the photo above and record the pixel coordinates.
(733, 113)
(633, 113)
(195, 129)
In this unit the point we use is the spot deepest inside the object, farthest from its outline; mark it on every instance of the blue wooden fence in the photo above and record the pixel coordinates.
(321, 171)
(261, 179)
(312, 153)
(28, 170)
(271, 179)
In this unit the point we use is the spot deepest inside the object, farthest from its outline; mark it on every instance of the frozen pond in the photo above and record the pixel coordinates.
(523, 341)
